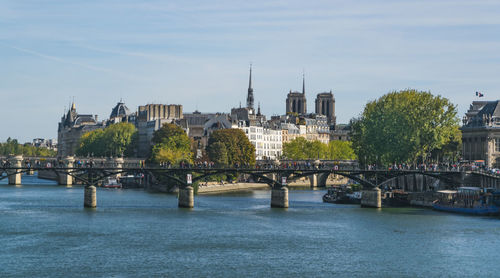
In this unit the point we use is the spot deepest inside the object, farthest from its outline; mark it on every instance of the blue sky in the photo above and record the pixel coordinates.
(197, 53)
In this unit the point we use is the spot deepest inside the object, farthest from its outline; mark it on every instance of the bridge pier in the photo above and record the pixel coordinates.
(279, 197)
(64, 177)
(186, 197)
(314, 180)
(15, 175)
(371, 198)
(30, 172)
(90, 197)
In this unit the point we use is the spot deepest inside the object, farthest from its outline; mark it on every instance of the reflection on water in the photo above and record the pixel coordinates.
(46, 232)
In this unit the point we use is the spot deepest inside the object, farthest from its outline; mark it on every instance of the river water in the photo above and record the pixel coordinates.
(46, 232)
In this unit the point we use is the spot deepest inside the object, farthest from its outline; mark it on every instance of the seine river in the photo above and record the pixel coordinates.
(46, 232)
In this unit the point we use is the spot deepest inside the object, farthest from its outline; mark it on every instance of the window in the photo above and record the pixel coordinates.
(497, 145)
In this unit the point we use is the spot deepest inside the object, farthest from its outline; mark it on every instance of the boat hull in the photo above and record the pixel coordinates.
(480, 210)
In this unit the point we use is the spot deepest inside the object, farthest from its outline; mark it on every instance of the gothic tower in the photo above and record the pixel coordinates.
(296, 101)
(325, 105)
(250, 92)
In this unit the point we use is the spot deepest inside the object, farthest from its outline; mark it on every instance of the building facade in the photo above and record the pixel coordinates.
(481, 133)
(267, 141)
(150, 118)
(296, 102)
(325, 105)
(71, 128)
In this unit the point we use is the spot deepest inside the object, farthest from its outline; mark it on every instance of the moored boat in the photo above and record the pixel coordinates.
(112, 183)
(468, 200)
(341, 195)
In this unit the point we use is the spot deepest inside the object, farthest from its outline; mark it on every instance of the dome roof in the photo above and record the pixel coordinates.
(120, 110)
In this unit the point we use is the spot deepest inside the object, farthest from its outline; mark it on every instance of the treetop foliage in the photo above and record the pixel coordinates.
(302, 149)
(405, 127)
(237, 147)
(114, 140)
(12, 146)
(171, 145)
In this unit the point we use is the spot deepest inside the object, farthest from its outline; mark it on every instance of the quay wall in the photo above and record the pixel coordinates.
(371, 198)
(422, 199)
(47, 175)
(231, 187)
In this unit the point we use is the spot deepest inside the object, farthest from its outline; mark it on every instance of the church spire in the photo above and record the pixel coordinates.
(303, 84)
(250, 91)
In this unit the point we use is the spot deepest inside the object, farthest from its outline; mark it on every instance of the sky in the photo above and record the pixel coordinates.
(197, 53)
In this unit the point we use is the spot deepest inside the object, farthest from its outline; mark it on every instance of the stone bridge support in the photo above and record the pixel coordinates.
(279, 197)
(90, 197)
(64, 177)
(15, 175)
(314, 180)
(371, 198)
(186, 197)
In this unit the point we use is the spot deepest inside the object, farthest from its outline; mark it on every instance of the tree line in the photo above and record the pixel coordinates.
(407, 126)
(301, 149)
(12, 146)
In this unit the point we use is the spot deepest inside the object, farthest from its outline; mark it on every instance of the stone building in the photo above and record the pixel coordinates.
(325, 105)
(267, 141)
(150, 118)
(120, 113)
(296, 101)
(71, 128)
(317, 128)
(481, 133)
(340, 132)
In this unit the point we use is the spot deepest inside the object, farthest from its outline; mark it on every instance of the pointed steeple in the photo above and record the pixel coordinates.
(250, 91)
(303, 84)
(258, 110)
(250, 79)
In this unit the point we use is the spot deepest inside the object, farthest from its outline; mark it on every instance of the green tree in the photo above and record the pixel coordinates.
(340, 150)
(302, 149)
(218, 153)
(172, 145)
(405, 126)
(12, 146)
(238, 147)
(114, 140)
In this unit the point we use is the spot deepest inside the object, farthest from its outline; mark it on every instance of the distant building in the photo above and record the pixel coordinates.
(266, 140)
(317, 128)
(340, 132)
(150, 118)
(325, 105)
(481, 133)
(120, 113)
(71, 128)
(196, 122)
(50, 144)
(296, 101)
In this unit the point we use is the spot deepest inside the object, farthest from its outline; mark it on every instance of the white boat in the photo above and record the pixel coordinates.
(112, 183)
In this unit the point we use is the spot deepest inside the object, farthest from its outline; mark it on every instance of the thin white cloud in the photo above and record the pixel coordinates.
(66, 61)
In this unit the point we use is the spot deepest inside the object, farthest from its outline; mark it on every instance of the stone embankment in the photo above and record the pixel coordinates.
(211, 188)
(422, 199)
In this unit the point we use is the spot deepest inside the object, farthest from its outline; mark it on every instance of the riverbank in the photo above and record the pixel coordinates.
(230, 187)
(214, 188)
